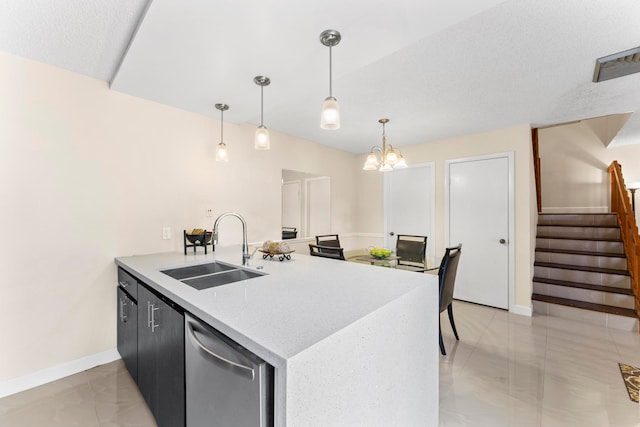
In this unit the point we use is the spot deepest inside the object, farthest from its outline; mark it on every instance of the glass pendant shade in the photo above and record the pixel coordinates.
(371, 163)
(221, 153)
(391, 158)
(385, 167)
(330, 116)
(262, 140)
(401, 163)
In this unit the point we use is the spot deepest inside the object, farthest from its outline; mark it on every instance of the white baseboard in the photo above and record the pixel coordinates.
(522, 310)
(53, 373)
(591, 209)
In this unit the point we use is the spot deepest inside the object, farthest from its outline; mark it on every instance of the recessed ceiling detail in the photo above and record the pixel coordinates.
(617, 65)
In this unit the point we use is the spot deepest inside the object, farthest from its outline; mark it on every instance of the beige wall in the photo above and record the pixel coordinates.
(574, 164)
(370, 215)
(88, 174)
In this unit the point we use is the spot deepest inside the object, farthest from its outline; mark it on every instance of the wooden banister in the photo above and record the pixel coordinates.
(628, 229)
(536, 167)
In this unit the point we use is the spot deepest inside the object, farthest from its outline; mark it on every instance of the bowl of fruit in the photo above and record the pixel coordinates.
(380, 253)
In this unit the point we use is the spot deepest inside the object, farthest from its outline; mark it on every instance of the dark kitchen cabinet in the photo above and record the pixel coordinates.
(128, 283)
(128, 332)
(161, 357)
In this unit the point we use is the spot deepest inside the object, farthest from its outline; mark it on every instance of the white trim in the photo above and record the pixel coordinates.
(312, 238)
(522, 310)
(591, 209)
(363, 235)
(512, 212)
(57, 372)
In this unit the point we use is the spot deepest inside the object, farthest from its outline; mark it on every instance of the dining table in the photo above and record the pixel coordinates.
(431, 264)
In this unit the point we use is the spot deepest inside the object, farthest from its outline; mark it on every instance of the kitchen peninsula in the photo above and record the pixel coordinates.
(351, 344)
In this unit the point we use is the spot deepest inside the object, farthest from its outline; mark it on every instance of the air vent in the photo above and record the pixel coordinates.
(617, 65)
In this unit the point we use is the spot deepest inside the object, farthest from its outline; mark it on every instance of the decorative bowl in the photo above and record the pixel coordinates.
(380, 253)
(199, 238)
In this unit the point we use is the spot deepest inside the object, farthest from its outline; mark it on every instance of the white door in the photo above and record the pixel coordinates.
(409, 204)
(479, 215)
(291, 206)
(318, 206)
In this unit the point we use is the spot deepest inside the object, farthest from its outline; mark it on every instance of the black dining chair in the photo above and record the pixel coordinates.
(331, 240)
(447, 280)
(326, 252)
(411, 252)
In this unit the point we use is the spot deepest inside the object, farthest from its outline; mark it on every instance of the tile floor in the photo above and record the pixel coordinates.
(507, 370)
(105, 396)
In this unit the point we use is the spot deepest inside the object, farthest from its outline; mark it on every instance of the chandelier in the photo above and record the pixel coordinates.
(390, 158)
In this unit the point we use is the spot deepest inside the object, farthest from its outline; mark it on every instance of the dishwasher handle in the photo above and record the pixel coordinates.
(246, 370)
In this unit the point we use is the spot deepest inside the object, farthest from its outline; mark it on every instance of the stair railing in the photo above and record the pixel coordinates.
(628, 229)
(536, 167)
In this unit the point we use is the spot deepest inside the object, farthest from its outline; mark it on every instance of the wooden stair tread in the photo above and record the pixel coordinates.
(588, 253)
(576, 214)
(581, 268)
(599, 288)
(592, 239)
(602, 308)
(578, 225)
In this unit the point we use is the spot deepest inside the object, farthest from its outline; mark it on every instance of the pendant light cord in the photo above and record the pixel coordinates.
(261, 105)
(330, 74)
(384, 143)
(221, 125)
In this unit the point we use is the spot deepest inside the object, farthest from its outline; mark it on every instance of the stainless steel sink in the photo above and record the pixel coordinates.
(205, 276)
(198, 270)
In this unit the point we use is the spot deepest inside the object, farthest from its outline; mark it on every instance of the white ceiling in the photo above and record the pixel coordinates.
(436, 69)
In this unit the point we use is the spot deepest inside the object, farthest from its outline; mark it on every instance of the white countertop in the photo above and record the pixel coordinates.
(352, 344)
(295, 305)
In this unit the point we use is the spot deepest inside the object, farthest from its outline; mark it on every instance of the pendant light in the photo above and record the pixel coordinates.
(221, 152)
(390, 158)
(330, 115)
(262, 140)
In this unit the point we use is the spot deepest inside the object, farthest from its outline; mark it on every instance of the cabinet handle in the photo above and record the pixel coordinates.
(151, 317)
(123, 315)
(247, 370)
(123, 283)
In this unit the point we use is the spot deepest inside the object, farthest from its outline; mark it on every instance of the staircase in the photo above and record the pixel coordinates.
(580, 271)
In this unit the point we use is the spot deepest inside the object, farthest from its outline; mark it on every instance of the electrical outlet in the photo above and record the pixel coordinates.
(166, 233)
(209, 213)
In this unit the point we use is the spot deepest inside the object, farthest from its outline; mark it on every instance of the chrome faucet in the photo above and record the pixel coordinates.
(245, 247)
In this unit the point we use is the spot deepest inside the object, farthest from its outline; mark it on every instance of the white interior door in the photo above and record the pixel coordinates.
(291, 206)
(409, 204)
(479, 214)
(318, 206)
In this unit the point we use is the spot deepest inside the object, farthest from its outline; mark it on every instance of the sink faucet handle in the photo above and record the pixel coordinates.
(254, 251)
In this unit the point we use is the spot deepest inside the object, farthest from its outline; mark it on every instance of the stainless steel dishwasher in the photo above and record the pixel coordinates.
(227, 385)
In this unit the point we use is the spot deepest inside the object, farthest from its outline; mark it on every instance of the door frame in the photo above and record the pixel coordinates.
(385, 201)
(301, 209)
(510, 155)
